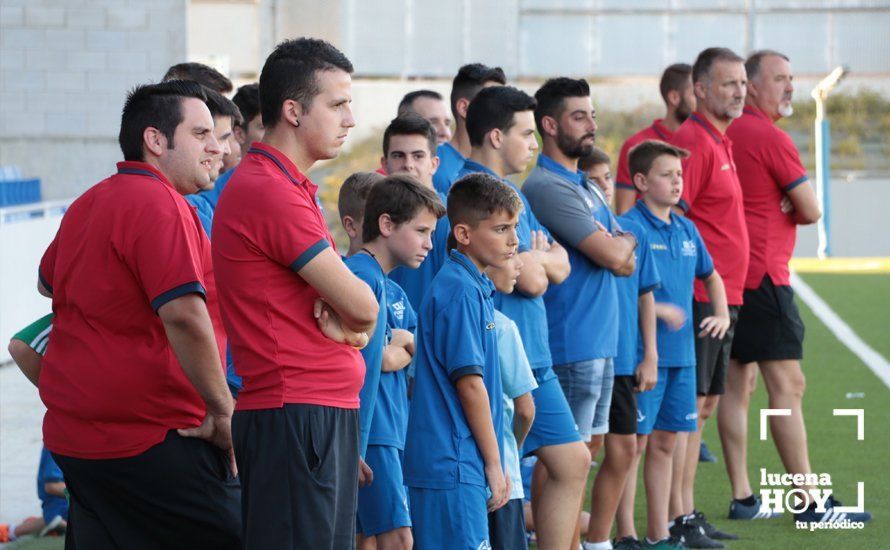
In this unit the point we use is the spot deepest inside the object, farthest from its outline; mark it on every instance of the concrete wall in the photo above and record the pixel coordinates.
(65, 68)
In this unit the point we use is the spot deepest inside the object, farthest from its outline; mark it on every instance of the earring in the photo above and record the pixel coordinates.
(296, 123)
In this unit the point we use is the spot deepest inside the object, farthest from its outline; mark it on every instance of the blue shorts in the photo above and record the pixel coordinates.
(450, 518)
(554, 423)
(588, 389)
(383, 505)
(670, 405)
(54, 506)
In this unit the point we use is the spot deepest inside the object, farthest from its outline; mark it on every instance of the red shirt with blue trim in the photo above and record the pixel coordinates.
(266, 227)
(769, 167)
(712, 199)
(111, 383)
(657, 131)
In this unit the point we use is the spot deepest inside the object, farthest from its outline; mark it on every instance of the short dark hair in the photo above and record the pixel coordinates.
(701, 70)
(406, 106)
(290, 73)
(752, 64)
(154, 106)
(402, 197)
(200, 73)
(674, 78)
(472, 78)
(478, 196)
(552, 95)
(247, 98)
(495, 107)
(221, 106)
(410, 125)
(641, 157)
(596, 156)
(354, 192)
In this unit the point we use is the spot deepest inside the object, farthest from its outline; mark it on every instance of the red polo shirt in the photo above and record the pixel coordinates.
(657, 130)
(712, 198)
(769, 167)
(266, 227)
(112, 386)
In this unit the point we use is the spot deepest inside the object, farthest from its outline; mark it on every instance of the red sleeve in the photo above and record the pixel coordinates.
(622, 178)
(165, 253)
(290, 229)
(783, 163)
(48, 264)
(696, 168)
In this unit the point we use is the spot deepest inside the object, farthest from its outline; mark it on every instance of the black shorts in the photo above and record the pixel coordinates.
(623, 411)
(506, 526)
(299, 473)
(712, 354)
(770, 327)
(177, 494)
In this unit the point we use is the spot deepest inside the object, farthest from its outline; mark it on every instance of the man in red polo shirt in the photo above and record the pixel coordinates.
(712, 198)
(296, 424)
(137, 343)
(778, 197)
(679, 99)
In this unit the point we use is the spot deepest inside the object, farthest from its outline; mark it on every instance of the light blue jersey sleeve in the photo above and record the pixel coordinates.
(516, 372)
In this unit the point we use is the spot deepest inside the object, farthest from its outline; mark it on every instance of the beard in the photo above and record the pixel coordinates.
(786, 109)
(574, 148)
(683, 111)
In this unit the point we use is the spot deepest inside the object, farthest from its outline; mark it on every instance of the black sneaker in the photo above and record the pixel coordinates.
(738, 510)
(698, 518)
(692, 535)
(627, 543)
(831, 513)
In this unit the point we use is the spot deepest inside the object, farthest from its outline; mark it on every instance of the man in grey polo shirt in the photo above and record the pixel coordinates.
(582, 312)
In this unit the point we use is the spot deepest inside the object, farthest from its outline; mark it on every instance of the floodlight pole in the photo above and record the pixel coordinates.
(823, 159)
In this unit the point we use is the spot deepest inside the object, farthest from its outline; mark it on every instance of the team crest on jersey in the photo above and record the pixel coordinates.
(589, 202)
(398, 309)
(688, 248)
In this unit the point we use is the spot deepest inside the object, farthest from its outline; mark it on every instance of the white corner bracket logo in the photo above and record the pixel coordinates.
(782, 492)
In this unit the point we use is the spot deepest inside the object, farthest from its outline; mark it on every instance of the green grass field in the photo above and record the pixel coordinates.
(832, 371)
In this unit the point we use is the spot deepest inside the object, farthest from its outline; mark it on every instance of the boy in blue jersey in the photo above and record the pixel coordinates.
(383, 517)
(501, 126)
(506, 525)
(409, 147)
(636, 367)
(452, 449)
(398, 221)
(681, 257)
(467, 83)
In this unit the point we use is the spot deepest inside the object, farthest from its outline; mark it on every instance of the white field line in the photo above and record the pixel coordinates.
(872, 359)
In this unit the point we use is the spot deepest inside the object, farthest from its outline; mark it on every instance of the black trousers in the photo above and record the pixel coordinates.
(177, 494)
(299, 471)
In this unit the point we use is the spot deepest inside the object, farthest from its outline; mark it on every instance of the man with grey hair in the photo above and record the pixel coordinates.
(777, 197)
(712, 198)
